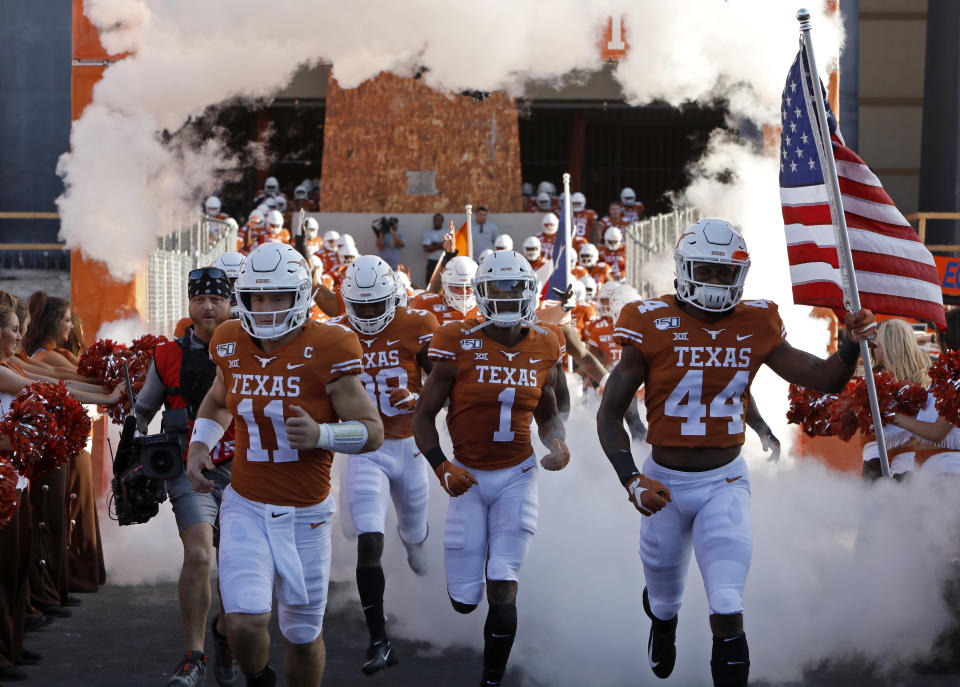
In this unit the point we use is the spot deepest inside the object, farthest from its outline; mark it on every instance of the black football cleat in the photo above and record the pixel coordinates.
(662, 644)
(380, 656)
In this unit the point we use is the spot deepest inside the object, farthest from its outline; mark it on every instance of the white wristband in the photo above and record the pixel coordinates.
(207, 432)
(342, 437)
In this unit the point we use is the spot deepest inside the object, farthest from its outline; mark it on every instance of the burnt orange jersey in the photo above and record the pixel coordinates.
(434, 303)
(546, 244)
(330, 259)
(282, 236)
(606, 222)
(600, 273)
(581, 316)
(633, 213)
(578, 271)
(538, 263)
(496, 392)
(390, 362)
(530, 205)
(616, 260)
(261, 387)
(314, 246)
(582, 221)
(599, 334)
(698, 383)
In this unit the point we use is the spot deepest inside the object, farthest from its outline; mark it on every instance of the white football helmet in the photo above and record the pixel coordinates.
(274, 221)
(345, 240)
(613, 238)
(369, 291)
(273, 268)
(348, 252)
(211, 206)
(604, 294)
(230, 263)
(311, 227)
(503, 242)
(484, 253)
(300, 192)
(457, 280)
(281, 203)
(628, 197)
(550, 224)
(625, 293)
(578, 202)
(271, 186)
(532, 248)
(403, 287)
(232, 224)
(714, 241)
(256, 218)
(579, 292)
(330, 240)
(589, 286)
(589, 255)
(307, 185)
(506, 289)
(526, 189)
(544, 202)
(546, 187)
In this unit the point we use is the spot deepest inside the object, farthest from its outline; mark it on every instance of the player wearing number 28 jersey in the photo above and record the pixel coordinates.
(291, 385)
(394, 341)
(697, 352)
(497, 374)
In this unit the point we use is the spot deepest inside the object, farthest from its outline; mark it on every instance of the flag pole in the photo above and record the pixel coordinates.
(470, 232)
(567, 245)
(848, 277)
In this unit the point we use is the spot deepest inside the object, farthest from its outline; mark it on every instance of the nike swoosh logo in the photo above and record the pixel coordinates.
(653, 664)
(734, 479)
(315, 525)
(291, 366)
(534, 361)
(736, 663)
(446, 480)
(278, 515)
(493, 634)
(392, 343)
(744, 337)
(527, 469)
(417, 453)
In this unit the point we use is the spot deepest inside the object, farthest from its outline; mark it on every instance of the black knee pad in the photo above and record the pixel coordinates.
(501, 620)
(369, 549)
(730, 663)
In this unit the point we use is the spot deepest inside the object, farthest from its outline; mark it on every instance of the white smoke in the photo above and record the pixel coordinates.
(125, 185)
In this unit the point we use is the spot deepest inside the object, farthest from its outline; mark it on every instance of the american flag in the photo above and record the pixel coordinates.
(896, 274)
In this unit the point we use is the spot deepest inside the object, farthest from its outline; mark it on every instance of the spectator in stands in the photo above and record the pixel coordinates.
(433, 246)
(389, 240)
(484, 232)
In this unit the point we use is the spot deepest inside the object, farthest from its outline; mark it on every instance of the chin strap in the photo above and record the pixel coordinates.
(523, 323)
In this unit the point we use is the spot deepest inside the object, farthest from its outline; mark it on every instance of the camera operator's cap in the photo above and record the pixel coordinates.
(209, 281)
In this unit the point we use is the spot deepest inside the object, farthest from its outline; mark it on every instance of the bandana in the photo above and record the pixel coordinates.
(208, 286)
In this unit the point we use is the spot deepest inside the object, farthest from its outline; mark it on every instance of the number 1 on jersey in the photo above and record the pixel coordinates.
(506, 397)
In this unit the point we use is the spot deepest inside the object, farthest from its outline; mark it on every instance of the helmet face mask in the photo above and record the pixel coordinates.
(369, 291)
(605, 298)
(711, 263)
(330, 240)
(628, 197)
(613, 238)
(273, 275)
(457, 280)
(578, 202)
(299, 193)
(506, 289)
(532, 248)
(589, 255)
(212, 206)
(271, 185)
(544, 202)
(589, 286)
(311, 227)
(550, 224)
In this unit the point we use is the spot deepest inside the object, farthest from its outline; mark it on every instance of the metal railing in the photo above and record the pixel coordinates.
(654, 236)
(169, 264)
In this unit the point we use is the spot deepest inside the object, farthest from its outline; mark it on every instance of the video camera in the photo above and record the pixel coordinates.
(382, 225)
(142, 463)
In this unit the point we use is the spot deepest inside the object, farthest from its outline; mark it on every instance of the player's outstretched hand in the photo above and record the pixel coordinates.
(456, 480)
(558, 457)
(302, 430)
(647, 495)
(860, 326)
(198, 460)
(403, 399)
(450, 239)
(770, 443)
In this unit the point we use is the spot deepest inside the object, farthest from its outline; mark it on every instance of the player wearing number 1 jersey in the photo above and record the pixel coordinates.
(697, 351)
(279, 375)
(498, 374)
(394, 345)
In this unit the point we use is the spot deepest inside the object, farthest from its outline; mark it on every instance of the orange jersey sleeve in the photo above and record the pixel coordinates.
(699, 373)
(390, 362)
(582, 221)
(496, 392)
(262, 387)
(546, 244)
(181, 327)
(599, 334)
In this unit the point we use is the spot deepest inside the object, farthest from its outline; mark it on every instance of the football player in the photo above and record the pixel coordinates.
(329, 253)
(615, 218)
(585, 222)
(697, 351)
(503, 242)
(312, 234)
(614, 253)
(533, 252)
(632, 209)
(458, 300)
(271, 189)
(589, 259)
(293, 390)
(550, 224)
(275, 231)
(395, 343)
(498, 374)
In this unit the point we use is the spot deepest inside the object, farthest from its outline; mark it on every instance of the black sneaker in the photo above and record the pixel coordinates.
(661, 646)
(192, 671)
(380, 656)
(225, 667)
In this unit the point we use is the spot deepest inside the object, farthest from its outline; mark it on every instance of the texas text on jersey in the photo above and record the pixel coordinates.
(699, 374)
(496, 391)
(434, 303)
(261, 387)
(390, 362)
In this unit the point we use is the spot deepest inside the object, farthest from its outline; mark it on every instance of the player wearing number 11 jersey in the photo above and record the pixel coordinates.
(394, 345)
(697, 351)
(498, 374)
(279, 375)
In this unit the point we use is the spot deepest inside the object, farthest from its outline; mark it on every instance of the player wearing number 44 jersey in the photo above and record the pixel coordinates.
(697, 352)
(394, 341)
(279, 375)
(497, 375)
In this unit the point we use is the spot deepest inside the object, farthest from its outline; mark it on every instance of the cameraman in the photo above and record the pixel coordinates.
(389, 240)
(179, 377)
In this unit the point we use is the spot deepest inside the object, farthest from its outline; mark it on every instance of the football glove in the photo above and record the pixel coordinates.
(455, 480)
(647, 495)
(403, 399)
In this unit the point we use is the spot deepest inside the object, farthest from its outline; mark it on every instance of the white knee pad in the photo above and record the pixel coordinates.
(410, 493)
(367, 487)
(301, 624)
